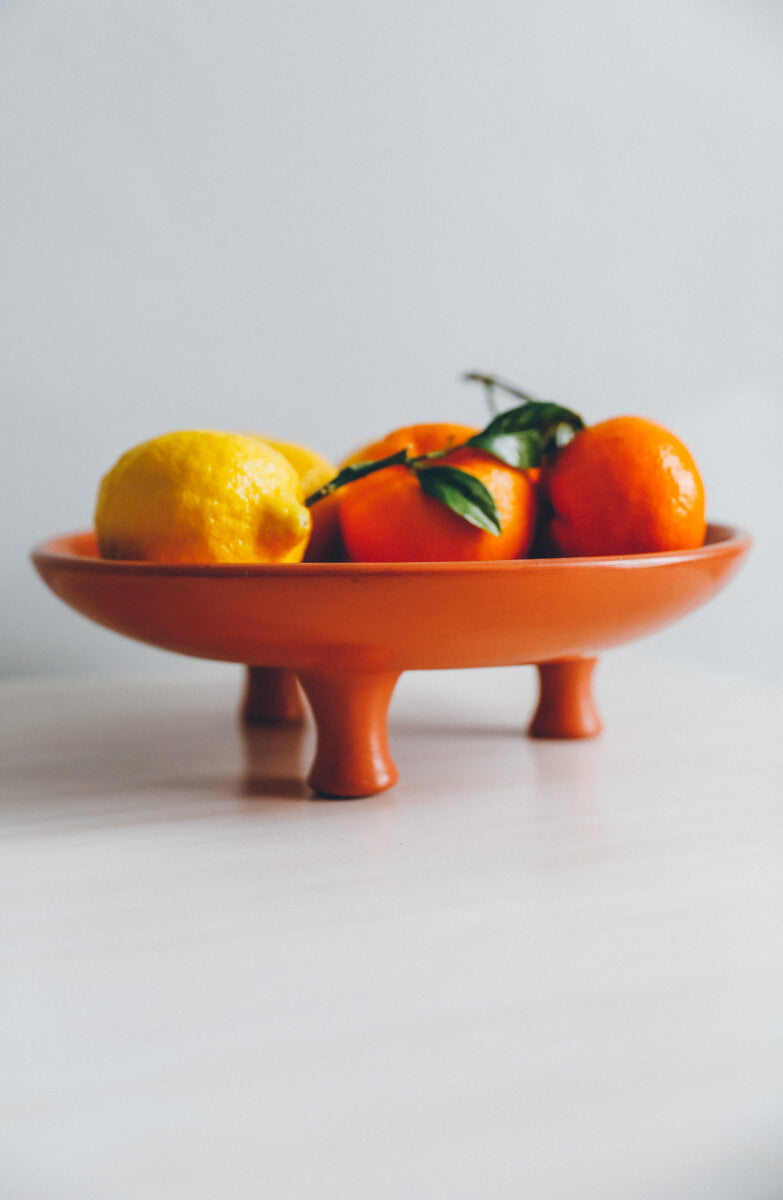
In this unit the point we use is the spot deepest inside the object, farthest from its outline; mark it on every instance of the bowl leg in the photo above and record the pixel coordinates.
(352, 754)
(565, 706)
(271, 697)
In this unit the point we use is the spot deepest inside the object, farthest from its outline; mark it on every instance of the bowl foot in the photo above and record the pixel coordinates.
(352, 756)
(565, 706)
(271, 697)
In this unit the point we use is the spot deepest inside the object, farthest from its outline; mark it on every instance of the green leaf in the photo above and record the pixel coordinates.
(521, 436)
(535, 414)
(356, 471)
(463, 494)
(521, 450)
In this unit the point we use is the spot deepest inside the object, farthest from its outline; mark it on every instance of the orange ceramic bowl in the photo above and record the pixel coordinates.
(342, 625)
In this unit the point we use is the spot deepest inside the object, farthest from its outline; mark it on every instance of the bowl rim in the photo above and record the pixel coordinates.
(62, 551)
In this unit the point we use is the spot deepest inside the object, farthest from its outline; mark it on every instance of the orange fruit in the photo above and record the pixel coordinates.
(420, 439)
(624, 486)
(325, 544)
(387, 516)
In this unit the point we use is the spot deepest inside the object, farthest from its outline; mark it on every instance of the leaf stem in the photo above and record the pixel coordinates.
(491, 382)
(357, 471)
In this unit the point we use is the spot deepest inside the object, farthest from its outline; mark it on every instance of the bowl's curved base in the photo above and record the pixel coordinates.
(350, 708)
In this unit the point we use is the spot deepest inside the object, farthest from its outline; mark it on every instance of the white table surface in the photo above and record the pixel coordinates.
(532, 969)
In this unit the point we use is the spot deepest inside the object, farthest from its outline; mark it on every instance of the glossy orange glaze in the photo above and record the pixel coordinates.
(389, 616)
(339, 624)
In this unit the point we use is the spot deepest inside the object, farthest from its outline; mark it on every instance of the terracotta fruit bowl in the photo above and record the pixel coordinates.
(346, 631)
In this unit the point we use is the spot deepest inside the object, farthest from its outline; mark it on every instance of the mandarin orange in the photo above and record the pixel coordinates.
(388, 517)
(624, 486)
(423, 438)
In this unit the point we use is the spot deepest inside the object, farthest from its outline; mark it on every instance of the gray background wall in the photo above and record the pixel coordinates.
(309, 218)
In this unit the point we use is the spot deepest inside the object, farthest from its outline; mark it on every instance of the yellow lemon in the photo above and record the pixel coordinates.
(202, 496)
(312, 468)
